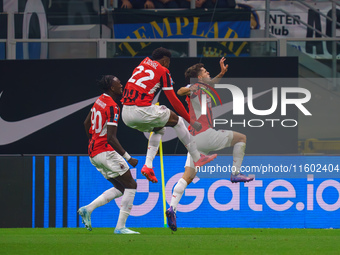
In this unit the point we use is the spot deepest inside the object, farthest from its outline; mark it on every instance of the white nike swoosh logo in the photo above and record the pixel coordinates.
(217, 111)
(16, 130)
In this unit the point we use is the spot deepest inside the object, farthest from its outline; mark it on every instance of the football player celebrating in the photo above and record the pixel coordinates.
(207, 138)
(139, 113)
(107, 155)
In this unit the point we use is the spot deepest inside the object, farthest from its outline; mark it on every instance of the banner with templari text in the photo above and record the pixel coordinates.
(155, 24)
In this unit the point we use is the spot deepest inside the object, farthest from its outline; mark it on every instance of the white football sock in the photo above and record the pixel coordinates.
(238, 154)
(178, 193)
(103, 199)
(153, 146)
(185, 137)
(126, 206)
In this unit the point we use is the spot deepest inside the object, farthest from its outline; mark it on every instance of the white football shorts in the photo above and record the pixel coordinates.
(110, 164)
(211, 140)
(145, 118)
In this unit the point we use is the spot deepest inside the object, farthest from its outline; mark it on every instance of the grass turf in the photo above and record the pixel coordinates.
(162, 241)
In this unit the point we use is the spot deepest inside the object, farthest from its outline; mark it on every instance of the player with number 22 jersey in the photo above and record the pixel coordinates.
(139, 113)
(146, 79)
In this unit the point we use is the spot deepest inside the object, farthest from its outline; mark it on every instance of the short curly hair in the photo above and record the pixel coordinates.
(159, 53)
(105, 82)
(193, 72)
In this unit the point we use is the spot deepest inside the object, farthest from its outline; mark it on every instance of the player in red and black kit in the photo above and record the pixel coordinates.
(207, 138)
(194, 100)
(107, 154)
(139, 113)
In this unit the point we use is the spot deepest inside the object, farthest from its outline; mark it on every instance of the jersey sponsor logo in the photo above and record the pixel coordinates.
(16, 130)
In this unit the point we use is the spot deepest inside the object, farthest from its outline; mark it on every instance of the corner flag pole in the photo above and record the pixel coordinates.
(163, 181)
(162, 174)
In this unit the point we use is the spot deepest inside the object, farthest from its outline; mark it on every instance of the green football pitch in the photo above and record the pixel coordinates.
(162, 241)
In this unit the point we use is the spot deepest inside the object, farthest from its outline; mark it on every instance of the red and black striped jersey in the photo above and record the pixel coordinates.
(146, 79)
(104, 112)
(195, 110)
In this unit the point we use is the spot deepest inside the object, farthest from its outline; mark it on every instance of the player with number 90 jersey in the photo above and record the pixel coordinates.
(144, 82)
(105, 111)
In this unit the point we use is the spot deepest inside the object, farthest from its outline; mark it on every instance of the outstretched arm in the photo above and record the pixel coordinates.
(176, 104)
(224, 69)
(184, 91)
(188, 90)
(170, 94)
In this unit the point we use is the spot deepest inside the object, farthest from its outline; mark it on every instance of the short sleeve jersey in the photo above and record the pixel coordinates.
(105, 111)
(195, 111)
(146, 79)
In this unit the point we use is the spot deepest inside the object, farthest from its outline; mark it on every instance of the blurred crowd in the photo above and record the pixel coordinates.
(165, 4)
